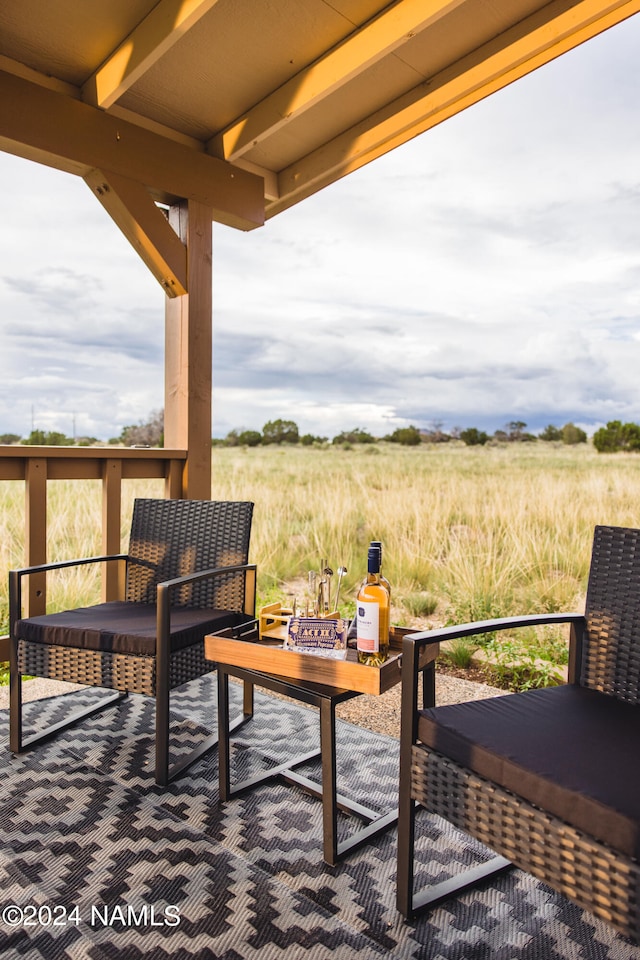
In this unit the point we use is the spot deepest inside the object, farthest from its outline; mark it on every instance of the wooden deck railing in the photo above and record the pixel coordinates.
(111, 465)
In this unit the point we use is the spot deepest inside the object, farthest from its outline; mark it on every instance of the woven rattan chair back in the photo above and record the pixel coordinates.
(611, 651)
(172, 538)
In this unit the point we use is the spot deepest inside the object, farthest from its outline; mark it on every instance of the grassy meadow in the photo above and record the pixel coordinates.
(468, 532)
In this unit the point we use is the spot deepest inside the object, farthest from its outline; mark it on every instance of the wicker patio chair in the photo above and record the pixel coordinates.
(548, 779)
(186, 575)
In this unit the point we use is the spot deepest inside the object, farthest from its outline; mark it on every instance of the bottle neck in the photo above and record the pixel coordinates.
(373, 564)
(377, 545)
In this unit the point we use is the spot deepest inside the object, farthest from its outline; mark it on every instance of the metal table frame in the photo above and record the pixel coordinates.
(326, 698)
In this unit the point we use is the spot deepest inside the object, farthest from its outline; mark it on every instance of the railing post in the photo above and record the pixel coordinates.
(173, 480)
(36, 533)
(112, 573)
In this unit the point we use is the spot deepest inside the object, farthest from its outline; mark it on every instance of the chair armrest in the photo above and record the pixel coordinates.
(167, 586)
(488, 626)
(164, 591)
(413, 642)
(15, 579)
(60, 564)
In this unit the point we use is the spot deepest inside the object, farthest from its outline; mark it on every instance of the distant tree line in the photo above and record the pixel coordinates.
(149, 433)
(516, 432)
(616, 436)
(286, 431)
(48, 438)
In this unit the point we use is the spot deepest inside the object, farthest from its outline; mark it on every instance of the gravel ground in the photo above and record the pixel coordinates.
(36, 689)
(380, 714)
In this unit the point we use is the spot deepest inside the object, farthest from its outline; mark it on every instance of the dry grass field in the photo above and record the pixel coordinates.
(468, 533)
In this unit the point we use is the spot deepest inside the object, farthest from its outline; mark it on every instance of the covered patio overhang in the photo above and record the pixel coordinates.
(180, 113)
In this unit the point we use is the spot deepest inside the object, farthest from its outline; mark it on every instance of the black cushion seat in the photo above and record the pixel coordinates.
(124, 627)
(564, 749)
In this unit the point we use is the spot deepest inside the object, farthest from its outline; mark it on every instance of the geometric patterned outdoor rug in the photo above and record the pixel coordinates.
(97, 862)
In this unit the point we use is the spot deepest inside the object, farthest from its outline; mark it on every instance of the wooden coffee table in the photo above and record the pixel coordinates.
(319, 682)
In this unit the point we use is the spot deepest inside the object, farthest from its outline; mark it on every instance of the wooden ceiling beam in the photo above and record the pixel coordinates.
(165, 24)
(560, 26)
(361, 50)
(145, 226)
(69, 134)
(270, 177)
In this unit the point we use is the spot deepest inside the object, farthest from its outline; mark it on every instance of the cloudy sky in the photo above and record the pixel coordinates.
(487, 271)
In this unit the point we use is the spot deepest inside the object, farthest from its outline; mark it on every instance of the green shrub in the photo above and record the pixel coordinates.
(550, 434)
(516, 666)
(617, 436)
(357, 435)
(572, 434)
(460, 652)
(408, 436)
(250, 438)
(474, 437)
(280, 431)
(38, 438)
(419, 604)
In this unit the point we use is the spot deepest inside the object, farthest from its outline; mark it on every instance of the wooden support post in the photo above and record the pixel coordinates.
(36, 533)
(188, 352)
(112, 573)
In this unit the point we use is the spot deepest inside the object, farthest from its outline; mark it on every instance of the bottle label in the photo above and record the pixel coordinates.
(368, 626)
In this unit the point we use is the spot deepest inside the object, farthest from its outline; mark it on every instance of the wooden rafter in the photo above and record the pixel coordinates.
(145, 226)
(166, 23)
(534, 41)
(42, 124)
(326, 76)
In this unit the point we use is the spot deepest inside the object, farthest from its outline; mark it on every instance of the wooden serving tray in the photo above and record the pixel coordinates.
(266, 656)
